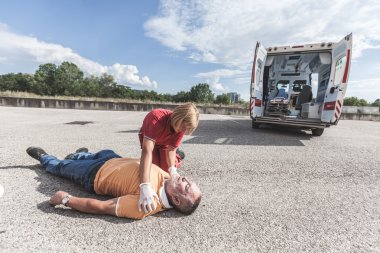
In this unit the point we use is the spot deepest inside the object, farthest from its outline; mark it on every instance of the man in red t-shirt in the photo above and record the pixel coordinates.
(160, 135)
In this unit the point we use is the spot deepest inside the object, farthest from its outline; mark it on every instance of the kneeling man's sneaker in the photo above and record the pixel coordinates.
(36, 152)
(79, 150)
(180, 153)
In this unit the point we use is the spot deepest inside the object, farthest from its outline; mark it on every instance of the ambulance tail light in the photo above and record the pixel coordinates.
(329, 106)
(258, 102)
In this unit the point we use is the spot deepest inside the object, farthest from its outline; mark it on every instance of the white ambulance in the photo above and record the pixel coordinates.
(301, 86)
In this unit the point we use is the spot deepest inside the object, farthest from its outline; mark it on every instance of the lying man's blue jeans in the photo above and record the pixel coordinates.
(81, 169)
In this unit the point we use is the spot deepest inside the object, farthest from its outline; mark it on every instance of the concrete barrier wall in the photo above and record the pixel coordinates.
(370, 113)
(110, 105)
(360, 116)
(349, 112)
(361, 109)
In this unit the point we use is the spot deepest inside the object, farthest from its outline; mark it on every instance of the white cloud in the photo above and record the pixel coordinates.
(221, 73)
(371, 84)
(213, 77)
(225, 31)
(169, 28)
(216, 85)
(365, 88)
(15, 48)
(128, 73)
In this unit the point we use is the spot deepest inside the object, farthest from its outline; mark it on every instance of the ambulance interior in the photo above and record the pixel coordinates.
(295, 85)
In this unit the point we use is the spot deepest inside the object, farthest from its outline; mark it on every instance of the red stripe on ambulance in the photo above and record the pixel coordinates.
(345, 76)
(338, 109)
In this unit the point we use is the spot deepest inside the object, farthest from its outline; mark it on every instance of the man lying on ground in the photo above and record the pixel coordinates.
(106, 173)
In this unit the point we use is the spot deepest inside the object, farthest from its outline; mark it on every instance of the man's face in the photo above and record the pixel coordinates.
(179, 185)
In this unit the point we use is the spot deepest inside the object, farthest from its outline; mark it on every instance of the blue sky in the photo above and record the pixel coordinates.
(169, 45)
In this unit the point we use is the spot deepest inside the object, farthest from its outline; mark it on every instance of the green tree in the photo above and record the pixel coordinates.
(7, 82)
(181, 96)
(24, 82)
(165, 97)
(67, 76)
(17, 82)
(376, 103)
(90, 87)
(201, 93)
(362, 102)
(354, 101)
(223, 99)
(45, 79)
(107, 80)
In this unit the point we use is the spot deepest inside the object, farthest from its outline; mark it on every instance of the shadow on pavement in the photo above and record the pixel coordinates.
(49, 184)
(129, 131)
(171, 213)
(17, 167)
(240, 132)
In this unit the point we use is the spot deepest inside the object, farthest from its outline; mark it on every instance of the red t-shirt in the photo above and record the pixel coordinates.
(157, 127)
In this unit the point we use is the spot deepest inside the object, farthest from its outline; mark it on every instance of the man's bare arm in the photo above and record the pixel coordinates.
(86, 205)
(171, 157)
(147, 195)
(146, 160)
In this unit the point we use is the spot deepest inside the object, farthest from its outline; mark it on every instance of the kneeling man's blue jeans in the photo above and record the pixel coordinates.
(81, 169)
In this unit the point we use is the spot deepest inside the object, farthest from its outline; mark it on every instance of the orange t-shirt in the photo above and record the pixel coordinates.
(119, 177)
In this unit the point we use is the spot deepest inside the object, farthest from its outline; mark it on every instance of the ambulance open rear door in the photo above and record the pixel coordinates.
(340, 68)
(256, 99)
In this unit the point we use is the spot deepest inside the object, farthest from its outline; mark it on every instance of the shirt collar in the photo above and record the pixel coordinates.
(164, 198)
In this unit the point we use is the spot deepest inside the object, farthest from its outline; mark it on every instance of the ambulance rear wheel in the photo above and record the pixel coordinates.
(317, 131)
(255, 125)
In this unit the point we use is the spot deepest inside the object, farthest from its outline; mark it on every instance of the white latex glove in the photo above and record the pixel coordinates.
(147, 196)
(173, 171)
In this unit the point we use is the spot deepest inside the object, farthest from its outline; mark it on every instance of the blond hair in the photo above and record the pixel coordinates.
(188, 114)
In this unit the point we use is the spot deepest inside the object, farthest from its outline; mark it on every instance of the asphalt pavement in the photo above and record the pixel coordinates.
(264, 190)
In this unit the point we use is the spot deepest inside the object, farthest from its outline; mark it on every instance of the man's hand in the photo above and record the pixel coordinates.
(56, 199)
(147, 196)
